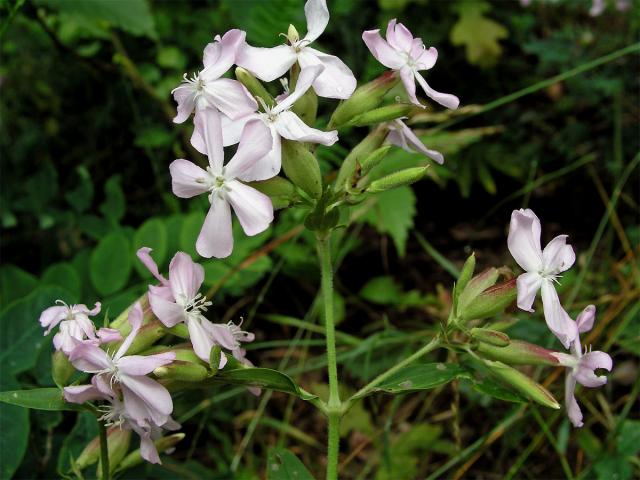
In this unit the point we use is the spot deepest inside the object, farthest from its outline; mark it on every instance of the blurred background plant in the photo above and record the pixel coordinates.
(86, 139)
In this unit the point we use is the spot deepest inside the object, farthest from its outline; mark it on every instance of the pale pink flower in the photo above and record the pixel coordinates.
(581, 367)
(144, 398)
(282, 123)
(407, 55)
(543, 268)
(224, 185)
(208, 89)
(336, 79)
(402, 136)
(164, 289)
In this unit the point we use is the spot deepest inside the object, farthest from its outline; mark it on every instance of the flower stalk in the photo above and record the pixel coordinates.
(104, 451)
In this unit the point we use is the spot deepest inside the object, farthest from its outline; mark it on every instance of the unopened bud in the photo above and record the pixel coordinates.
(492, 301)
(301, 167)
(179, 330)
(306, 107)
(254, 86)
(492, 337)
(463, 279)
(373, 159)
(61, 368)
(518, 352)
(381, 115)
(184, 371)
(397, 179)
(146, 337)
(121, 322)
(117, 442)
(292, 34)
(368, 145)
(162, 445)
(523, 384)
(365, 98)
(280, 190)
(215, 356)
(476, 286)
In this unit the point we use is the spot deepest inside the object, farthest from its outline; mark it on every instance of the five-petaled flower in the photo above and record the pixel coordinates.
(408, 55)
(402, 136)
(581, 367)
(336, 79)
(543, 267)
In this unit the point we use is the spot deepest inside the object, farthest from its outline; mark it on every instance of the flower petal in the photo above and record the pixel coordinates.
(255, 143)
(231, 131)
(230, 97)
(528, 285)
(266, 63)
(586, 319)
(524, 240)
(335, 81)
(221, 335)
(382, 51)
(557, 318)
(557, 256)
(399, 36)
(403, 137)
(168, 312)
(89, 358)
(309, 73)
(52, 316)
(409, 81)
(269, 165)
(445, 99)
(208, 123)
(82, 393)
(154, 396)
(142, 365)
(573, 410)
(135, 318)
(145, 257)
(216, 236)
(187, 179)
(185, 276)
(185, 97)
(427, 57)
(200, 338)
(317, 15)
(253, 208)
(222, 54)
(291, 127)
(148, 450)
(585, 373)
(109, 335)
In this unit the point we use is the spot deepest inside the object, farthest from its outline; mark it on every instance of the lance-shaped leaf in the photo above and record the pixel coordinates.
(263, 378)
(284, 465)
(38, 399)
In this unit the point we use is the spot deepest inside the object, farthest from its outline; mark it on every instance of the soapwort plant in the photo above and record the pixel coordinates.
(127, 372)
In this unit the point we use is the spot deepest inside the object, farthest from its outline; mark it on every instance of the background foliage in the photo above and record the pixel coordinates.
(86, 139)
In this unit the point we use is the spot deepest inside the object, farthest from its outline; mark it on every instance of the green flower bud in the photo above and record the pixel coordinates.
(492, 337)
(61, 369)
(366, 147)
(518, 352)
(365, 98)
(382, 114)
(254, 86)
(492, 301)
(147, 336)
(292, 34)
(476, 286)
(183, 371)
(117, 444)
(179, 330)
(280, 190)
(215, 355)
(373, 159)
(463, 279)
(162, 445)
(301, 167)
(397, 179)
(523, 384)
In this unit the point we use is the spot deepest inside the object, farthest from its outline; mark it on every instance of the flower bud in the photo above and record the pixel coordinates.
(373, 159)
(306, 107)
(117, 438)
(61, 368)
(518, 352)
(492, 301)
(365, 98)
(254, 86)
(397, 179)
(280, 190)
(463, 279)
(381, 115)
(292, 34)
(301, 167)
(476, 286)
(162, 445)
(179, 330)
(523, 384)
(146, 337)
(492, 337)
(215, 355)
(368, 145)
(121, 322)
(180, 370)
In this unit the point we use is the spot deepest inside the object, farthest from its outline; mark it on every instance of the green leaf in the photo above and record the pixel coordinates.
(284, 465)
(263, 378)
(38, 398)
(628, 442)
(478, 34)
(14, 425)
(421, 376)
(189, 232)
(171, 57)
(489, 387)
(15, 283)
(613, 467)
(133, 16)
(80, 198)
(110, 264)
(382, 290)
(114, 204)
(393, 214)
(64, 274)
(152, 234)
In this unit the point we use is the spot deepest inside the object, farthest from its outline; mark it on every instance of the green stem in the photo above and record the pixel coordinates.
(104, 451)
(334, 406)
(432, 345)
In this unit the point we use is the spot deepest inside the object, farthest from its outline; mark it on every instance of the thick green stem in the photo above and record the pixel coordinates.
(334, 406)
(104, 451)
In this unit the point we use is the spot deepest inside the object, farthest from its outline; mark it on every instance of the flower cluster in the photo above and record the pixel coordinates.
(543, 268)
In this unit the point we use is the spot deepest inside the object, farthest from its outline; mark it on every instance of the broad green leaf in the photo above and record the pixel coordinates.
(284, 465)
(114, 204)
(14, 425)
(381, 290)
(133, 16)
(263, 378)
(81, 196)
(84, 430)
(111, 264)
(421, 376)
(21, 336)
(152, 234)
(478, 34)
(15, 283)
(613, 467)
(189, 232)
(65, 275)
(38, 398)
(393, 214)
(628, 442)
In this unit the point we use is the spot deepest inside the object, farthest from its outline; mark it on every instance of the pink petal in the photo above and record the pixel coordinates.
(289, 126)
(52, 316)
(142, 365)
(586, 319)
(445, 99)
(585, 374)
(168, 312)
(154, 395)
(221, 335)
(310, 72)
(230, 97)
(524, 240)
(207, 122)
(573, 410)
(200, 338)
(220, 59)
(427, 57)
(185, 276)
(109, 335)
(269, 165)
(404, 137)
(528, 285)
(89, 358)
(86, 325)
(216, 236)
(82, 393)
(185, 97)
(336, 80)
(145, 257)
(317, 15)
(409, 82)
(83, 309)
(135, 319)
(399, 36)
(231, 131)
(253, 208)
(382, 51)
(148, 450)
(266, 63)
(255, 143)
(556, 317)
(187, 179)
(557, 255)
